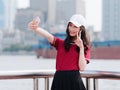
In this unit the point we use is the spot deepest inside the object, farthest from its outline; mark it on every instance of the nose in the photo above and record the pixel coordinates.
(71, 28)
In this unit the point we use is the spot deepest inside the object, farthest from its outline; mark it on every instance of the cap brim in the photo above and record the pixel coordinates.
(75, 23)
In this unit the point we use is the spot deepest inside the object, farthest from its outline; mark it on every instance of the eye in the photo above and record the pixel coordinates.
(75, 27)
(70, 24)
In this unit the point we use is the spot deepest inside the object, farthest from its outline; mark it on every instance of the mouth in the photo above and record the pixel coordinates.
(72, 33)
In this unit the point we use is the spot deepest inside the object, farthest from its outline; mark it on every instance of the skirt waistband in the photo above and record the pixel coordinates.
(67, 71)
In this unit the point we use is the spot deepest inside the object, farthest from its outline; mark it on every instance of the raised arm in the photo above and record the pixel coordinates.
(34, 25)
(82, 61)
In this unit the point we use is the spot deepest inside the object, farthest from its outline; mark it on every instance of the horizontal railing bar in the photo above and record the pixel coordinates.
(46, 74)
(101, 74)
(50, 73)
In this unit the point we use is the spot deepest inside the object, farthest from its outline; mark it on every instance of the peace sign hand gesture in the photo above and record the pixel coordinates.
(79, 41)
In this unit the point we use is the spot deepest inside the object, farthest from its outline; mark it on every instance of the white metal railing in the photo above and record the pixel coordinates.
(46, 74)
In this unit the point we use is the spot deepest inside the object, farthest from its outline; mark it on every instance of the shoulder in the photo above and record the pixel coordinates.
(57, 42)
(56, 39)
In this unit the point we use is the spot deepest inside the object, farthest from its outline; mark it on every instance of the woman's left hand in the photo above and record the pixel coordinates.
(79, 42)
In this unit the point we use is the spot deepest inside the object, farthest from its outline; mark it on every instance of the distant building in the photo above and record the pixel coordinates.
(1, 37)
(47, 8)
(66, 8)
(54, 14)
(7, 14)
(23, 17)
(58, 11)
(111, 19)
(10, 11)
(2, 15)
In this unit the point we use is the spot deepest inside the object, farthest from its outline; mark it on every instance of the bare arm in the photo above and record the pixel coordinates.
(45, 34)
(34, 26)
(82, 61)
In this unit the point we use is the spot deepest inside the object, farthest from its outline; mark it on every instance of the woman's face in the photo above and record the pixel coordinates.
(73, 30)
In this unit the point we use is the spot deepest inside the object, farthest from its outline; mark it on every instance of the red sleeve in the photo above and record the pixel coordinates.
(87, 55)
(56, 42)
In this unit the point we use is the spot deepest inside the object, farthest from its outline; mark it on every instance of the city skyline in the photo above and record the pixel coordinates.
(93, 19)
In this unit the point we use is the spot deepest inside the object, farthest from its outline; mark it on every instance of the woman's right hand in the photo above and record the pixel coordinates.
(34, 24)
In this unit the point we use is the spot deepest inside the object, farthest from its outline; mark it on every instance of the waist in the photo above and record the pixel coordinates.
(67, 67)
(67, 73)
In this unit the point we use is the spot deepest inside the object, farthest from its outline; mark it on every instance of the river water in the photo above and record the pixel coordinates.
(27, 62)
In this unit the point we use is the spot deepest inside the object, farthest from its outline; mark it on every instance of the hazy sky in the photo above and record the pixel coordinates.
(93, 12)
(22, 3)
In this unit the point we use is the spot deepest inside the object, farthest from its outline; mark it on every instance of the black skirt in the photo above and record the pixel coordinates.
(67, 80)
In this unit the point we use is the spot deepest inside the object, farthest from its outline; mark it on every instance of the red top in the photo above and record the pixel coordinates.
(67, 60)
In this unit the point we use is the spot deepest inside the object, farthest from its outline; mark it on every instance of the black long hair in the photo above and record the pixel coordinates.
(69, 39)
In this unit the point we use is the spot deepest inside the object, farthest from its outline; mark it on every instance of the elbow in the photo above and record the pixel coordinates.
(82, 66)
(82, 69)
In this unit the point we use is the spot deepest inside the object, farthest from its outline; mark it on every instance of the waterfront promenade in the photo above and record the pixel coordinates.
(31, 63)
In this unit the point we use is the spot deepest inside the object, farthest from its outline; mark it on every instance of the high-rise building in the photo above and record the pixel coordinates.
(66, 8)
(10, 7)
(46, 7)
(111, 19)
(58, 11)
(2, 14)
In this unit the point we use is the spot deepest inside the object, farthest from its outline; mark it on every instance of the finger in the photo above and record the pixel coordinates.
(32, 26)
(77, 35)
(34, 23)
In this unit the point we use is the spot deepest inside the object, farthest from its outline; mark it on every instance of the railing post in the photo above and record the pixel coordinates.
(46, 83)
(35, 84)
(95, 84)
(87, 83)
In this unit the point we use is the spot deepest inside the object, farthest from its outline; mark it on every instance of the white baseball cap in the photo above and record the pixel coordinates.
(78, 20)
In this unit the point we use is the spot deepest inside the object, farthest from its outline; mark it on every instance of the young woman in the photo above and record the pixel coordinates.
(73, 53)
